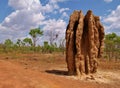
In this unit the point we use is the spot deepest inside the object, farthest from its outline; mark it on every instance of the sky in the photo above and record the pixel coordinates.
(17, 17)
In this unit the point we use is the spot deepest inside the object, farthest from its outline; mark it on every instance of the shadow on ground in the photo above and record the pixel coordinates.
(57, 72)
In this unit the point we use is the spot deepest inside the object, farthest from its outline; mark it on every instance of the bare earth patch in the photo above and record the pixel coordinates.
(47, 71)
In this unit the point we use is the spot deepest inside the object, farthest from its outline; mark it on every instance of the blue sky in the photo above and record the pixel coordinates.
(17, 17)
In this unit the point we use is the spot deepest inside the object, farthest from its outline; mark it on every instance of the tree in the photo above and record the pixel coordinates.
(112, 46)
(35, 33)
(117, 47)
(27, 41)
(52, 36)
(62, 45)
(111, 36)
(8, 43)
(19, 42)
(109, 44)
(47, 48)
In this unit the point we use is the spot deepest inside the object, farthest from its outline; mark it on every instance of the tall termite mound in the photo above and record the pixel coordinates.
(84, 43)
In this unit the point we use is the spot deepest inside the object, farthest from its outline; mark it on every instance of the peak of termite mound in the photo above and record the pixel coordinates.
(84, 42)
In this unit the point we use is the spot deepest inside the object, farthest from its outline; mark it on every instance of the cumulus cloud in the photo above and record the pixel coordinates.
(22, 19)
(63, 9)
(56, 26)
(108, 1)
(112, 21)
(65, 15)
(30, 14)
(56, 1)
(22, 4)
(53, 27)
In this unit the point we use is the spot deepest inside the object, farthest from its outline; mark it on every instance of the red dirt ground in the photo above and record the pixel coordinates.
(24, 73)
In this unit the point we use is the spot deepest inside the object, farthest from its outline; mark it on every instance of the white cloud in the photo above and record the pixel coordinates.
(53, 24)
(65, 15)
(56, 1)
(22, 4)
(63, 9)
(112, 21)
(108, 1)
(56, 26)
(23, 19)
(35, 5)
(30, 14)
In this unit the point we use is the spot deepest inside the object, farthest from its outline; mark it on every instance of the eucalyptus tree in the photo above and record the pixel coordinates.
(28, 41)
(112, 45)
(35, 34)
(8, 43)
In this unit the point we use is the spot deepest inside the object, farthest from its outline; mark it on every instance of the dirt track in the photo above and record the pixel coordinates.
(15, 75)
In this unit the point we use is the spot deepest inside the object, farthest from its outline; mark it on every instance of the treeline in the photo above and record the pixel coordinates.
(28, 45)
(112, 47)
(22, 47)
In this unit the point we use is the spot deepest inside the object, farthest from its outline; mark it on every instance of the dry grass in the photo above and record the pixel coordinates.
(52, 60)
(37, 61)
(109, 65)
(54, 64)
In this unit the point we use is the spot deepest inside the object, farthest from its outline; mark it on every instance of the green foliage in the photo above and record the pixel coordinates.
(112, 46)
(111, 36)
(19, 43)
(28, 41)
(48, 48)
(34, 34)
(28, 45)
(8, 43)
(7, 46)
